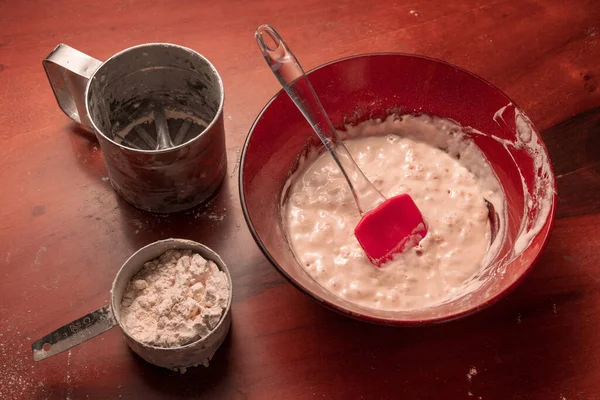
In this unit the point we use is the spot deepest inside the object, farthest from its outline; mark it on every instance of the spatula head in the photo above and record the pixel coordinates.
(394, 226)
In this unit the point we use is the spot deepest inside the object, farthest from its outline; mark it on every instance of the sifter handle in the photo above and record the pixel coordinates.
(69, 71)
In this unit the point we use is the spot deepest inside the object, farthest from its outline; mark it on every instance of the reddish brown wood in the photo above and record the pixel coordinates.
(64, 232)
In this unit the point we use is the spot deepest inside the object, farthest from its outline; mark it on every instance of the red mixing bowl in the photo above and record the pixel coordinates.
(376, 85)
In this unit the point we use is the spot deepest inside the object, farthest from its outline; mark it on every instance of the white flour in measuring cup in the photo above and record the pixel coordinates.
(174, 299)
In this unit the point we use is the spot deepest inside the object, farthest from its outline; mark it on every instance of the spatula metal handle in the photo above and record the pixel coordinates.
(294, 81)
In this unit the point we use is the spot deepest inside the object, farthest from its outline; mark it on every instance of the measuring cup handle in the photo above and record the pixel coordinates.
(68, 72)
(75, 333)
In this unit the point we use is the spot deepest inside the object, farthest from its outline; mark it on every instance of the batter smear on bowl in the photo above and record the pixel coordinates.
(450, 181)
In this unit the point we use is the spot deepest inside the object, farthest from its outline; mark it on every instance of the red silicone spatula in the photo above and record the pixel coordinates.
(387, 226)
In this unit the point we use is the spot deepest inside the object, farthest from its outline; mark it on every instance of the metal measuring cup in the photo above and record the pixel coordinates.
(99, 321)
(157, 111)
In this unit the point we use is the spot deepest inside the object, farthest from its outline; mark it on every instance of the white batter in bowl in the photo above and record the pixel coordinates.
(448, 178)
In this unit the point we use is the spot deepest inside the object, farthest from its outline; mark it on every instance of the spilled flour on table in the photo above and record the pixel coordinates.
(16, 367)
(38, 255)
(68, 377)
(138, 224)
(472, 372)
(214, 216)
(206, 211)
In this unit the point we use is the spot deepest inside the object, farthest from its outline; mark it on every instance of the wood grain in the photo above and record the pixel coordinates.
(64, 232)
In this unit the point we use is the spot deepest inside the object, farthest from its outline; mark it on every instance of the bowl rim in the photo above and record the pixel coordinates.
(370, 318)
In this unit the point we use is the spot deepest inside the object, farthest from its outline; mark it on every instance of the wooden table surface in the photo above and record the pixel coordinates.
(64, 232)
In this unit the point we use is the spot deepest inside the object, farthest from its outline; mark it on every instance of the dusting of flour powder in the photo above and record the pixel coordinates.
(174, 299)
